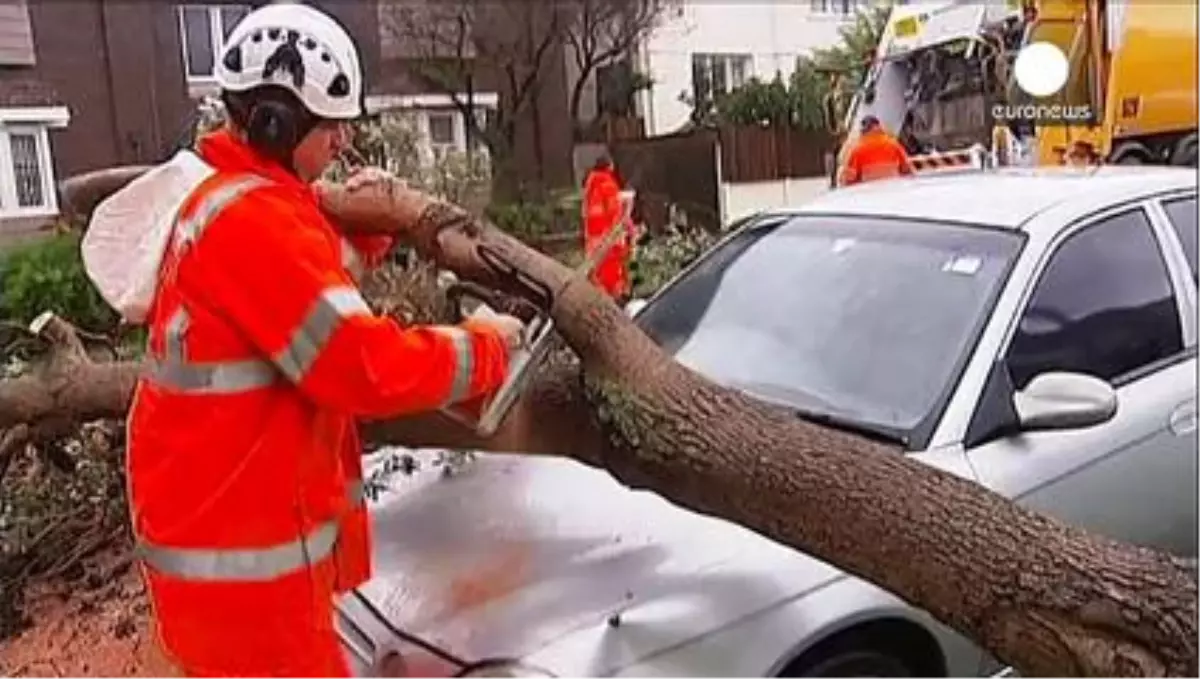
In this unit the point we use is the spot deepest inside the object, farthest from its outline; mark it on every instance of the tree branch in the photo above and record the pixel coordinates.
(527, 84)
(619, 25)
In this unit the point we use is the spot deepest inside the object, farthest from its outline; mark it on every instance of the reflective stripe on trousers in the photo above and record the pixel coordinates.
(248, 564)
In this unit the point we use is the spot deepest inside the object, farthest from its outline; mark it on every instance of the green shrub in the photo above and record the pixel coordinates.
(522, 220)
(48, 275)
(568, 206)
(658, 260)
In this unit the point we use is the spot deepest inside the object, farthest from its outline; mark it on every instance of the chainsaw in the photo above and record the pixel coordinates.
(537, 336)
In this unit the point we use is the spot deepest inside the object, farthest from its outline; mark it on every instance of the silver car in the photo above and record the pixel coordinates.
(1031, 330)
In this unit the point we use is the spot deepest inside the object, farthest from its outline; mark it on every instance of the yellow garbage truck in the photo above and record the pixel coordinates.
(943, 81)
(1135, 62)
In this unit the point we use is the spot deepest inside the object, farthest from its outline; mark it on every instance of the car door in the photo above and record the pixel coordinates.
(1104, 302)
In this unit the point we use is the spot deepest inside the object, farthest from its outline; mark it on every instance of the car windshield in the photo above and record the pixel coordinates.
(860, 320)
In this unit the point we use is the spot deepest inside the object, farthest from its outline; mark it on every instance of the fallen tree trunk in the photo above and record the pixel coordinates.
(79, 195)
(1045, 597)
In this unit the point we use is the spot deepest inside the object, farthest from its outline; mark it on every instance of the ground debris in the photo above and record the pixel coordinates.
(104, 631)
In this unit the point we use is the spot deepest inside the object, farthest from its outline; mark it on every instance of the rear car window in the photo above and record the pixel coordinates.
(1182, 212)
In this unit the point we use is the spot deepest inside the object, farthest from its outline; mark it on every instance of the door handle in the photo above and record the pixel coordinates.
(1183, 419)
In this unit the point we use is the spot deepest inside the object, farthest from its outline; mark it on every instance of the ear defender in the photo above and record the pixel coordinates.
(272, 128)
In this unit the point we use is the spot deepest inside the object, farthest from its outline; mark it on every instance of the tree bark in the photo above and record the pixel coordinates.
(1040, 595)
(79, 195)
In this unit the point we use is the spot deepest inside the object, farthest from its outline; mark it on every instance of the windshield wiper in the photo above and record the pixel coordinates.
(874, 432)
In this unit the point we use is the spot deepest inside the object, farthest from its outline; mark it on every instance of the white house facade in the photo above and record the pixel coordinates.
(730, 42)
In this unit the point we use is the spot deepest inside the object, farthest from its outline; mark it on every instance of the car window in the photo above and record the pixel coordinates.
(859, 318)
(1103, 306)
(1182, 212)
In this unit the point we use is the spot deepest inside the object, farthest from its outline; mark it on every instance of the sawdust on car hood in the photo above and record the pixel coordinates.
(517, 553)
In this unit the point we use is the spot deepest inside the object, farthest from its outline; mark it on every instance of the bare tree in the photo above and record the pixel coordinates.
(461, 47)
(598, 32)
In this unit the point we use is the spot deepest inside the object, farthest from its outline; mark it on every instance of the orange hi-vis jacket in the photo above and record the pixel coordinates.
(602, 211)
(244, 467)
(876, 155)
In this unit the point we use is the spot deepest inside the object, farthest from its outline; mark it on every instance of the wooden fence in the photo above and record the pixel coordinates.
(759, 154)
(678, 172)
(673, 172)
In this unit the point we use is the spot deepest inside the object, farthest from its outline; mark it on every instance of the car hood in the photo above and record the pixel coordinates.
(515, 553)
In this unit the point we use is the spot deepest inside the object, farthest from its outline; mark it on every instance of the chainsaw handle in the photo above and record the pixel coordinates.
(538, 293)
(459, 291)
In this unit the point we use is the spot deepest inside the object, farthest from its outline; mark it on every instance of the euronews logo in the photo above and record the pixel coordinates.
(1042, 71)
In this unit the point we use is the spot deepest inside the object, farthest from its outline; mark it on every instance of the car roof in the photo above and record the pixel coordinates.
(1006, 197)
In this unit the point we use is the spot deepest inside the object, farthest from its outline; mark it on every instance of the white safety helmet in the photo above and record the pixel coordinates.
(321, 66)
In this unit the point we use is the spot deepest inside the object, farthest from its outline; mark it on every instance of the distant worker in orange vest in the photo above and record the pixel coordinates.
(875, 155)
(244, 465)
(602, 211)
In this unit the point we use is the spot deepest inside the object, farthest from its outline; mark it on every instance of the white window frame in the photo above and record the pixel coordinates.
(837, 8)
(724, 61)
(458, 131)
(424, 106)
(216, 31)
(35, 121)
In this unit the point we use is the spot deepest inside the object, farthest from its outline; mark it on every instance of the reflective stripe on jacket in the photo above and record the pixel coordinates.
(244, 464)
(602, 211)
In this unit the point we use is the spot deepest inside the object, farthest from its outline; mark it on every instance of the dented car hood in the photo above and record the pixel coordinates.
(520, 557)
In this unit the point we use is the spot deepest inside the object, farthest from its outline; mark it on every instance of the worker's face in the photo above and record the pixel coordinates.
(320, 148)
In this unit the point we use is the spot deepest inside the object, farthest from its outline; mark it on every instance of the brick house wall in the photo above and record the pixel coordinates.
(87, 84)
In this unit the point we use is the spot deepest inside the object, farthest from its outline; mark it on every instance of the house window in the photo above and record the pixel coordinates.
(843, 7)
(203, 30)
(446, 132)
(715, 74)
(28, 177)
(26, 172)
(441, 132)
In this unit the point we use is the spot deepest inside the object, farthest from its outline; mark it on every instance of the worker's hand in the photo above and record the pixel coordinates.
(510, 327)
(369, 176)
(372, 201)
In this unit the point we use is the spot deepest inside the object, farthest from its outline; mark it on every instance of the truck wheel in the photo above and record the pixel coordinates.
(853, 663)
(1186, 151)
(1130, 154)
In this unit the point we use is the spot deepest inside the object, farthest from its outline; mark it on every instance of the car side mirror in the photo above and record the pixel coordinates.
(1064, 400)
(633, 306)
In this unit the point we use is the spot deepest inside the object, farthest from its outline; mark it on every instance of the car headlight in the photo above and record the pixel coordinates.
(503, 668)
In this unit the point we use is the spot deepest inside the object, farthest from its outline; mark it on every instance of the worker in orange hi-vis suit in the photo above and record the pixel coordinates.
(876, 155)
(244, 467)
(602, 211)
